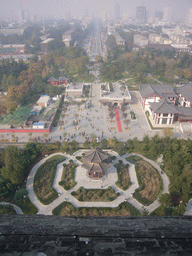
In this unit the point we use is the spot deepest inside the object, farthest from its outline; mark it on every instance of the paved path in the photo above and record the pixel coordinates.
(15, 207)
(189, 208)
(83, 180)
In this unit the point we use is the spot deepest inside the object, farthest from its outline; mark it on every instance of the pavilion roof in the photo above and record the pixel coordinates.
(95, 156)
(95, 167)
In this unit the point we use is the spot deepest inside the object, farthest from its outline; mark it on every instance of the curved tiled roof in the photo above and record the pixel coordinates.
(186, 92)
(95, 156)
(162, 90)
(163, 106)
(95, 167)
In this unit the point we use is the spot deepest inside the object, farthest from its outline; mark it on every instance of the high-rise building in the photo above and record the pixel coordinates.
(141, 15)
(104, 15)
(117, 12)
(68, 15)
(159, 15)
(21, 15)
(167, 14)
(189, 17)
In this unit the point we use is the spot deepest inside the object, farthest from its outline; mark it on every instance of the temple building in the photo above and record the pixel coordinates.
(95, 161)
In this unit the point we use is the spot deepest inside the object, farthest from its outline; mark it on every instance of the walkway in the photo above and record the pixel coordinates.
(82, 180)
(118, 120)
(189, 208)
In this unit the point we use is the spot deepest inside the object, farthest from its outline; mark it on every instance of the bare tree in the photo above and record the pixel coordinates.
(111, 115)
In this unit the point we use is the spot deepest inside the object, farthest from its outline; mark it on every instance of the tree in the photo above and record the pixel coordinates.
(6, 187)
(14, 168)
(111, 115)
(168, 132)
(94, 143)
(73, 145)
(7, 209)
(93, 136)
(65, 147)
(11, 100)
(179, 210)
(98, 58)
(144, 212)
(86, 144)
(103, 143)
(165, 200)
(4, 82)
(30, 134)
(45, 135)
(111, 41)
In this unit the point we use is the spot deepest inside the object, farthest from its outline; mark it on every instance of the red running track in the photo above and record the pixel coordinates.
(118, 120)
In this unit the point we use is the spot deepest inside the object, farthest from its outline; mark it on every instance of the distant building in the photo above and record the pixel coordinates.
(45, 45)
(117, 96)
(189, 17)
(141, 15)
(16, 56)
(117, 12)
(67, 37)
(21, 15)
(44, 101)
(104, 15)
(185, 95)
(155, 38)
(158, 16)
(12, 48)
(140, 40)
(62, 80)
(11, 31)
(74, 90)
(38, 125)
(36, 110)
(165, 104)
(167, 16)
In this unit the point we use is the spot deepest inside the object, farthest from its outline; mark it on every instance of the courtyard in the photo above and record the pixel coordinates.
(82, 180)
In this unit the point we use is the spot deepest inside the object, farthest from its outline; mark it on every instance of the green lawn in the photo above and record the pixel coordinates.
(18, 117)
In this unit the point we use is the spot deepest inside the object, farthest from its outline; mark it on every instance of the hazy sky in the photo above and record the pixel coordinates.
(58, 8)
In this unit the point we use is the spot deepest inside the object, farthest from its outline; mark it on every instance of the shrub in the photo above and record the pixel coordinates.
(95, 194)
(123, 181)
(26, 206)
(68, 175)
(7, 209)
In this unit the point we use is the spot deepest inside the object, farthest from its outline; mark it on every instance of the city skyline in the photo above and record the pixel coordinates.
(82, 8)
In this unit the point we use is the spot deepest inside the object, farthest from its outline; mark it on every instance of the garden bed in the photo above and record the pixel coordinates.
(150, 183)
(67, 209)
(95, 195)
(123, 181)
(44, 180)
(68, 175)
